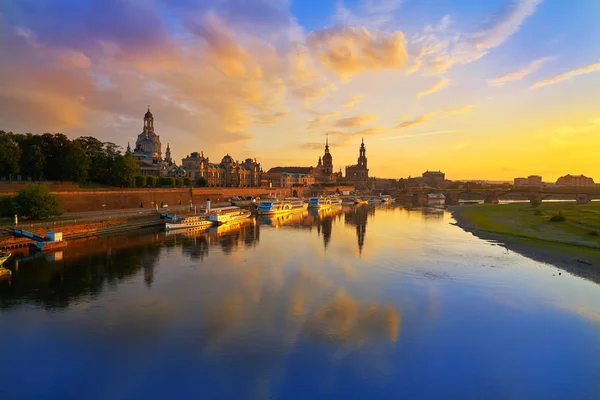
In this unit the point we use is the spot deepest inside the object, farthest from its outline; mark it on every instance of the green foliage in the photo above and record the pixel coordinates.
(7, 206)
(538, 213)
(124, 171)
(558, 217)
(10, 155)
(37, 202)
(202, 182)
(141, 181)
(152, 181)
(187, 181)
(179, 182)
(102, 156)
(53, 147)
(166, 181)
(75, 164)
(593, 233)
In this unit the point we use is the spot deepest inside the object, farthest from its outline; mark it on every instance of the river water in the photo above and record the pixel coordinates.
(361, 302)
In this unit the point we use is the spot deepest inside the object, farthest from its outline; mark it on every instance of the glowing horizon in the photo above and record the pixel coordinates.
(493, 90)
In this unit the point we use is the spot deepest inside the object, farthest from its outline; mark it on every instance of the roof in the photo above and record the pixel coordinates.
(290, 170)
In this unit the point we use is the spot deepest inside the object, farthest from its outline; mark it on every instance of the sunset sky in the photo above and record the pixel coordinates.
(479, 89)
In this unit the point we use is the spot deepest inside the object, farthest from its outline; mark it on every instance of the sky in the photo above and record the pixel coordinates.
(491, 89)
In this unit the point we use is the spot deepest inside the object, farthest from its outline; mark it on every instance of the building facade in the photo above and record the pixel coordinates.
(227, 173)
(358, 174)
(572, 180)
(148, 151)
(531, 180)
(434, 178)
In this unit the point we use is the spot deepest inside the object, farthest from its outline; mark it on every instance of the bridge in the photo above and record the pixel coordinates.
(535, 195)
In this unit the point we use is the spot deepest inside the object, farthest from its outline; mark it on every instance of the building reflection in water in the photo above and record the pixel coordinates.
(357, 217)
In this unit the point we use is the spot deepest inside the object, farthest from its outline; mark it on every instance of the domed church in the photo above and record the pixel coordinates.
(148, 151)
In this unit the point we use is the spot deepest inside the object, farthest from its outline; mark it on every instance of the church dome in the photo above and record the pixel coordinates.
(227, 160)
(326, 156)
(148, 114)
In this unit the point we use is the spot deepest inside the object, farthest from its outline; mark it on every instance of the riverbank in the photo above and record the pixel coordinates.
(572, 244)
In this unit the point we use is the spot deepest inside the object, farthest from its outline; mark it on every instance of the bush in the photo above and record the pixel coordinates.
(593, 233)
(37, 203)
(166, 181)
(202, 182)
(538, 213)
(187, 181)
(7, 206)
(558, 217)
(152, 181)
(141, 181)
(178, 182)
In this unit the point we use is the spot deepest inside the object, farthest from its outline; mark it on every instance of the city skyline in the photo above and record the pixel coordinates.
(481, 91)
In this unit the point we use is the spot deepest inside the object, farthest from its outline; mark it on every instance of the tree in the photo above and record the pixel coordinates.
(35, 162)
(202, 182)
(75, 164)
(53, 148)
(141, 181)
(10, 155)
(124, 170)
(152, 181)
(102, 156)
(37, 202)
(187, 181)
(7, 206)
(178, 182)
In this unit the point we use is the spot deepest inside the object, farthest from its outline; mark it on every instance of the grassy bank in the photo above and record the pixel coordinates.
(571, 241)
(580, 223)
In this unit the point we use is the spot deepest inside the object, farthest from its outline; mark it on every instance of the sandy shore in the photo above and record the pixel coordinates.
(578, 260)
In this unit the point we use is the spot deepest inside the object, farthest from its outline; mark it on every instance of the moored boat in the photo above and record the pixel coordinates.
(4, 255)
(334, 200)
(319, 203)
(273, 207)
(223, 215)
(196, 221)
(297, 203)
(386, 198)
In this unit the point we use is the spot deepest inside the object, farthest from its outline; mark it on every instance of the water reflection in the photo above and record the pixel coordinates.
(357, 217)
(262, 305)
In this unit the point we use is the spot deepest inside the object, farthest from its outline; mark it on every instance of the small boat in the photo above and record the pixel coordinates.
(274, 207)
(319, 203)
(297, 203)
(223, 215)
(5, 273)
(386, 198)
(196, 221)
(359, 200)
(375, 200)
(335, 200)
(4, 255)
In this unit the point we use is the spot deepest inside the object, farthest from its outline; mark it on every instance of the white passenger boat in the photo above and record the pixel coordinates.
(375, 200)
(196, 221)
(274, 207)
(223, 215)
(335, 200)
(386, 198)
(319, 203)
(297, 203)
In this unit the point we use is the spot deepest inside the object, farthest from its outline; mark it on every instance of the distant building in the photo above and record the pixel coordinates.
(434, 178)
(534, 180)
(358, 174)
(521, 182)
(148, 151)
(572, 180)
(228, 173)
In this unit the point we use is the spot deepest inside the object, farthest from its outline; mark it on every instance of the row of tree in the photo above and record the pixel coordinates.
(35, 202)
(54, 157)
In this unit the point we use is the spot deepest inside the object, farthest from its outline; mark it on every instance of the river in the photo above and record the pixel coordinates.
(361, 302)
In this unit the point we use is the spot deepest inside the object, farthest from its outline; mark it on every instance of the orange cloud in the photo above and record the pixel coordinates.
(439, 85)
(355, 122)
(349, 51)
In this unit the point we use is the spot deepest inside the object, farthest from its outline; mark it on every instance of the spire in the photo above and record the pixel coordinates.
(327, 140)
(128, 148)
(148, 107)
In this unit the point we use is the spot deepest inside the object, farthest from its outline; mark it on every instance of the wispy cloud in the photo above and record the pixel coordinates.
(506, 24)
(520, 74)
(441, 113)
(439, 85)
(419, 135)
(588, 69)
(369, 13)
(320, 119)
(272, 118)
(352, 101)
(356, 121)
